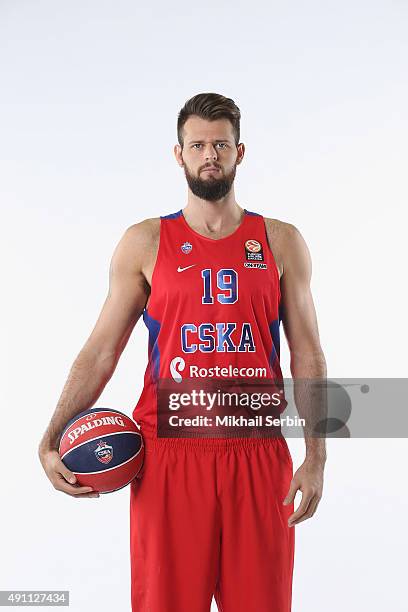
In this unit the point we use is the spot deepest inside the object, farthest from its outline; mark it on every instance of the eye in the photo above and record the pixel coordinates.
(222, 145)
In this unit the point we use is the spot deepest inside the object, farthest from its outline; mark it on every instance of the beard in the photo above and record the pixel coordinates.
(212, 188)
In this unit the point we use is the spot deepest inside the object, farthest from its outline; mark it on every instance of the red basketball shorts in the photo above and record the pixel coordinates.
(207, 518)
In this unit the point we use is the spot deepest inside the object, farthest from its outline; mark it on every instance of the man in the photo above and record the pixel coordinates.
(211, 514)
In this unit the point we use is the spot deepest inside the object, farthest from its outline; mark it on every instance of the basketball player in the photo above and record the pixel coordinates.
(209, 515)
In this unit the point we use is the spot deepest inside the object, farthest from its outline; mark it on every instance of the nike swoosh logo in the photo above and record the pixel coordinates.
(186, 268)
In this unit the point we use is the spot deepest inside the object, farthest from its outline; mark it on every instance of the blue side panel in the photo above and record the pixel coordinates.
(172, 215)
(154, 354)
(121, 447)
(274, 329)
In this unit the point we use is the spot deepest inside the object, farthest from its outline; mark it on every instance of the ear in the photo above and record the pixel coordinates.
(178, 154)
(241, 152)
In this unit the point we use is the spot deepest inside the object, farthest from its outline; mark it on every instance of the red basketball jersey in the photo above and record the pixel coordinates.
(214, 309)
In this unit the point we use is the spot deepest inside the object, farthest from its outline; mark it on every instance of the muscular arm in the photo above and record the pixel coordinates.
(97, 360)
(307, 361)
(299, 320)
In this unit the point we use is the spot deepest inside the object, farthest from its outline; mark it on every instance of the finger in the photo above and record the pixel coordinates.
(294, 486)
(62, 485)
(65, 472)
(310, 511)
(297, 517)
(73, 490)
(93, 494)
(303, 506)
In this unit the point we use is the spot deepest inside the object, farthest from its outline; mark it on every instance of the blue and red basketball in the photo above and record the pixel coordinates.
(103, 448)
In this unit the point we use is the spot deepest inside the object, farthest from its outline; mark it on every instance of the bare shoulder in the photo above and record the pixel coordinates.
(286, 242)
(144, 233)
(141, 238)
(137, 247)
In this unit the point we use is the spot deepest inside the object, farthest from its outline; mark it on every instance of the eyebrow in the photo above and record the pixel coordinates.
(200, 141)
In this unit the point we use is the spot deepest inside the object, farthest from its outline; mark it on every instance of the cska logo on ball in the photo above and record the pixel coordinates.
(186, 247)
(104, 452)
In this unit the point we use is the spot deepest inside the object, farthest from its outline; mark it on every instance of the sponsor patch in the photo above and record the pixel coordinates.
(260, 266)
(253, 251)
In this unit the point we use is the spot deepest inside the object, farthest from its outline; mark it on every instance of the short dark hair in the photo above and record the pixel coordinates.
(209, 106)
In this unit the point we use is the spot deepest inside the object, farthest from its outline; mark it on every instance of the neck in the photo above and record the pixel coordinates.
(213, 217)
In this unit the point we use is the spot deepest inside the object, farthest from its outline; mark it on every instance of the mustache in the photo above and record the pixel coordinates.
(210, 166)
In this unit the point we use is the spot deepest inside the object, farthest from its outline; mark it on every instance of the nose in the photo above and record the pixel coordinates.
(210, 153)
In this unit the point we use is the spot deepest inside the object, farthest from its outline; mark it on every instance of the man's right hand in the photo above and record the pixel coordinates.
(61, 477)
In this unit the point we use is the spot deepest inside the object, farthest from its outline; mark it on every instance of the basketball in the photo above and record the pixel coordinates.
(103, 448)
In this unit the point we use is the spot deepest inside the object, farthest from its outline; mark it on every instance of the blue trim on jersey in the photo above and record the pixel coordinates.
(172, 215)
(274, 329)
(154, 354)
(249, 212)
(180, 212)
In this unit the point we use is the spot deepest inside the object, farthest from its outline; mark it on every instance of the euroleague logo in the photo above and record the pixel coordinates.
(254, 255)
(253, 246)
(104, 452)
